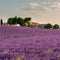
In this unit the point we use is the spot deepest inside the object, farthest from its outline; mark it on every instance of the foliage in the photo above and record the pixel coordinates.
(48, 26)
(27, 19)
(25, 24)
(56, 26)
(1, 21)
(12, 21)
(19, 20)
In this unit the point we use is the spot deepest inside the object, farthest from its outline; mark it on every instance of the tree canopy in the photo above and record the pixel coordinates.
(1, 21)
(27, 19)
(19, 20)
(48, 26)
(56, 26)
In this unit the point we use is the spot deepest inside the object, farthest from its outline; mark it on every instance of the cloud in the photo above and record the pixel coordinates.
(34, 5)
(50, 6)
(42, 6)
(41, 9)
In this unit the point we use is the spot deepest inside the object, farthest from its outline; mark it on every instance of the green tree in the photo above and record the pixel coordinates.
(12, 20)
(56, 26)
(20, 21)
(1, 21)
(15, 20)
(28, 24)
(28, 19)
(48, 26)
(25, 24)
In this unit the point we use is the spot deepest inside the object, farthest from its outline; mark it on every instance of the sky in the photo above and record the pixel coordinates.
(41, 11)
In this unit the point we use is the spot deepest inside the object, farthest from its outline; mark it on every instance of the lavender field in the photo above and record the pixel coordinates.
(24, 43)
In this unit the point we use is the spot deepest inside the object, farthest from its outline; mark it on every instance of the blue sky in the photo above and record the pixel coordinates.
(42, 11)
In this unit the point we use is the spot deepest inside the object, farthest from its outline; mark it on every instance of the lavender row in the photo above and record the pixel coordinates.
(24, 43)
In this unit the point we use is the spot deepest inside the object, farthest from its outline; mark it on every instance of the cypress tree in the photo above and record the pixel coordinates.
(1, 21)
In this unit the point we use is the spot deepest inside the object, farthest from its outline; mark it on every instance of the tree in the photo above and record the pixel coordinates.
(56, 26)
(20, 21)
(1, 21)
(25, 24)
(28, 24)
(15, 20)
(28, 19)
(12, 20)
(48, 26)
